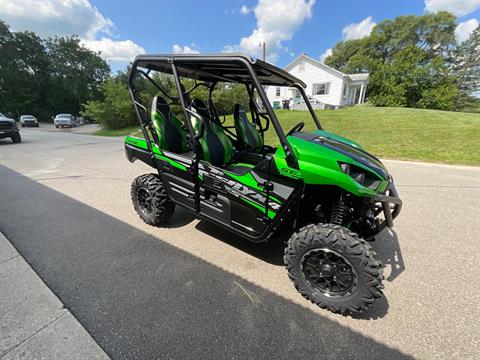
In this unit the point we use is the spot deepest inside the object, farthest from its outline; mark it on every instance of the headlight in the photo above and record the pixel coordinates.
(360, 175)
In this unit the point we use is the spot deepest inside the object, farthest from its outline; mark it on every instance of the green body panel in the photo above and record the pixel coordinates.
(318, 165)
(245, 179)
(142, 144)
(337, 138)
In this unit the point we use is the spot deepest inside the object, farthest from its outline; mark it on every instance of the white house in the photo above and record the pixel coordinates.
(326, 87)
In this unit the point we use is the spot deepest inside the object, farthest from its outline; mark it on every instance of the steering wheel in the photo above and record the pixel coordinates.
(297, 127)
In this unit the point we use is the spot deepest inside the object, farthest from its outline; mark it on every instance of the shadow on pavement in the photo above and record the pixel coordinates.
(389, 253)
(8, 141)
(142, 298)
(270, 252)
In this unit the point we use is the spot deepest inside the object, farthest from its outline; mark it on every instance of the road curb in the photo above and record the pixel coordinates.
(34, 324)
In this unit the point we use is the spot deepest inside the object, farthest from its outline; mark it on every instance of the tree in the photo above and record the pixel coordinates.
(45, 77)
(466, 67)
(408, 61)
(76, 72)
(115, 111)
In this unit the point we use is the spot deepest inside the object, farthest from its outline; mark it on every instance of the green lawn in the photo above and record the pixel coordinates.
(396, 133)
(118, 132)
(401, 133)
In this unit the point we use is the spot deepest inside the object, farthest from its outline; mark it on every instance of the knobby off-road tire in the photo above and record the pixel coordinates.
(17, 138)
(150, 200)
(318, 253)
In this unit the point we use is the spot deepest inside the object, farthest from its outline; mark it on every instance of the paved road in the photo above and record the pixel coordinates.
(195, 291)
(33, 322)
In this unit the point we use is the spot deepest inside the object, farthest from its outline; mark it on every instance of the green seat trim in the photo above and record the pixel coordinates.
(217, 148)
(247, 132)
(169, 129)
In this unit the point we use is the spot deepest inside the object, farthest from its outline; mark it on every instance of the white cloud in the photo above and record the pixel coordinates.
(178, 49)
(457, 7)
(326, 53)
(358, 30)
(55, 17)
(125, 50)
(244, 10)
(277, 21)
(50, 18)
(465, 29)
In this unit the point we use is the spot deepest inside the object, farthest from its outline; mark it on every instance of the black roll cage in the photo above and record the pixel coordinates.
(172, 63)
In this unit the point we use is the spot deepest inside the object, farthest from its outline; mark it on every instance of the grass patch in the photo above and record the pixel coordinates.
(392, 133)
(131, 130)
(401, 133)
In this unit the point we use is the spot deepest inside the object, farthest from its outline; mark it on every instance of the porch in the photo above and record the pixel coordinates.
(354, 89)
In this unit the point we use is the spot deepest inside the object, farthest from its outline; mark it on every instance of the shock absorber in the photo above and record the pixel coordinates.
(338, 211)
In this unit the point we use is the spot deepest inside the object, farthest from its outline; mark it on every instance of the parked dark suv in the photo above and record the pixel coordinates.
(8, 128)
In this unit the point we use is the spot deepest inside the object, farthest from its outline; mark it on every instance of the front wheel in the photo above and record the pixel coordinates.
(150, 200)
(334, 268)
(16, 138)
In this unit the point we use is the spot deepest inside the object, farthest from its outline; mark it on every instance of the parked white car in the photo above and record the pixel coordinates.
(28, 120)
(64, 120)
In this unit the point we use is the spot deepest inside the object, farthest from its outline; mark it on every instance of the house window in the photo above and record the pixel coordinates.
(301, 66)
(345, 90)
(321, 89)
(277, 91)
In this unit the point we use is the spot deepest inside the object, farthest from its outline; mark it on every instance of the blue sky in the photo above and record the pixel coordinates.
(121, 29)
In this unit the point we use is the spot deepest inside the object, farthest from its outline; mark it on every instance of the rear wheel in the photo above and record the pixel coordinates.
(150, 200)
(334, 268)
(16, 138)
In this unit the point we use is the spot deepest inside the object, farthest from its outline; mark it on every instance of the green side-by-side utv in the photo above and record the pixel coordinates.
(330, 195)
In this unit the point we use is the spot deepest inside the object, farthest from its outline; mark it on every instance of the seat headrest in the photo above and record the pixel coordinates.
(160, 104)
(200, 106)
(239, 111)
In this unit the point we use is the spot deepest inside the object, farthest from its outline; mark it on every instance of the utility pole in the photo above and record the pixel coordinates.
(262, 45)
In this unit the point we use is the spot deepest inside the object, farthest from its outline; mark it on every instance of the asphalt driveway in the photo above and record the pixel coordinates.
(194, 291)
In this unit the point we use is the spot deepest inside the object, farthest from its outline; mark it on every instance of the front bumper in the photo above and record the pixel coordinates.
(8, 133)
(387, 200)
(30, 123)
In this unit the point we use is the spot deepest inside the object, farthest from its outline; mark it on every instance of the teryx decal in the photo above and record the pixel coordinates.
(239, 190)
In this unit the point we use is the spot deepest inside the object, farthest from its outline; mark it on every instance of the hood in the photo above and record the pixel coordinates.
(4, 118)
(347, 148)
(338, 138)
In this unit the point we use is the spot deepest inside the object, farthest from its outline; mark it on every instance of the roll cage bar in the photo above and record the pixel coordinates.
(233, 68)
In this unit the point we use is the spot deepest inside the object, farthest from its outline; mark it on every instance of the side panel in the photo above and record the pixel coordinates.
(179, 190)
(133, 153)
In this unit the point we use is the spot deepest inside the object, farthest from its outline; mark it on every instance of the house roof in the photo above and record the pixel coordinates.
(358, 77)
(353, 77)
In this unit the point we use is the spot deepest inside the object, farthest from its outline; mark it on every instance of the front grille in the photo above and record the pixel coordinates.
(6, 125)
